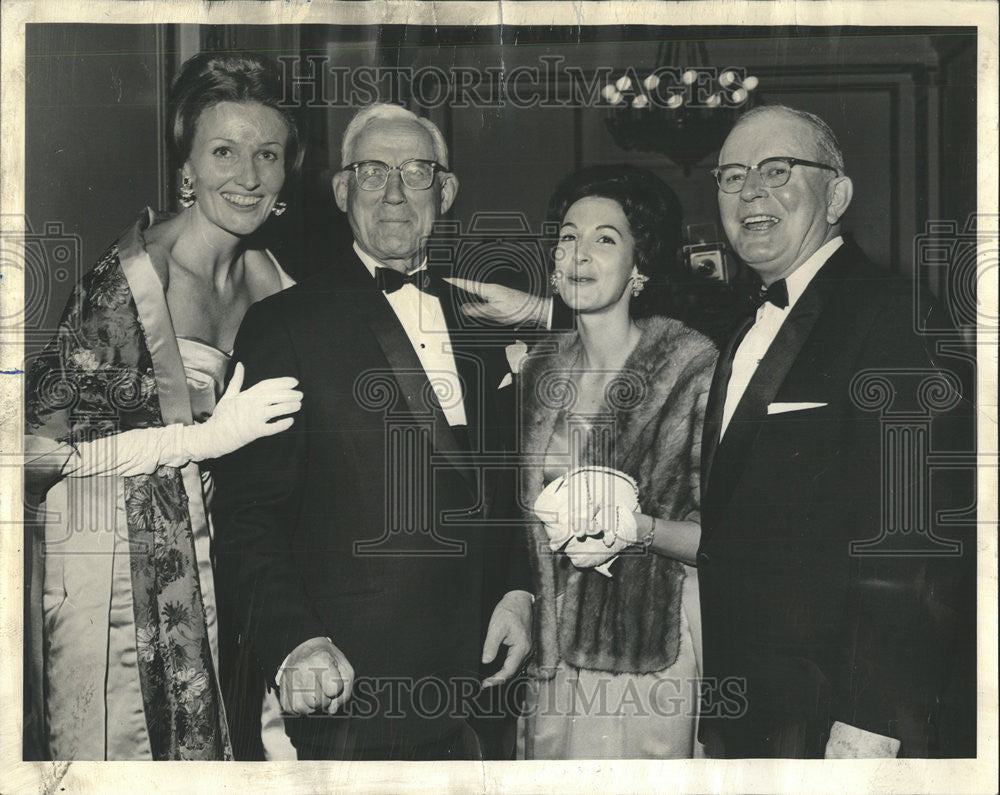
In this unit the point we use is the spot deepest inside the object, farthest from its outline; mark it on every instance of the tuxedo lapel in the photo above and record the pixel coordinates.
(409, 374)
(406, 368)
(469, 372)
(717, 403)
(726, 458)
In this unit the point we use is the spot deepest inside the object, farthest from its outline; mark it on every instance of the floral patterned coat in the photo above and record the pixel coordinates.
(121, 596)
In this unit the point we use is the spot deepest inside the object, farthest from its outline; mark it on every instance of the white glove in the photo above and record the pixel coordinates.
(593, 553)
(241, 417)
(618, 523)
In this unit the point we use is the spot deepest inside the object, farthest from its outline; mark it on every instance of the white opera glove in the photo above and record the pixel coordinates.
(241, 417)
(129, 453)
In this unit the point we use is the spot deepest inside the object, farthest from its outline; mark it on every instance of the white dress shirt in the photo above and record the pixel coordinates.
(424, 323)
(766, 326)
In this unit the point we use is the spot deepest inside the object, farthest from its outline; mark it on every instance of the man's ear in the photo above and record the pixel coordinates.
(341, 184)
(839, 193)
(449, 190)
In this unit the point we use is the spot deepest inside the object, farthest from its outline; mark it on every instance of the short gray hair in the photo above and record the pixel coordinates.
(386, 110)
(826, 141)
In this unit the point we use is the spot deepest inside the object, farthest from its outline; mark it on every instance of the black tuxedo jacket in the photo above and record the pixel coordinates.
(368, 521)
(799, 630)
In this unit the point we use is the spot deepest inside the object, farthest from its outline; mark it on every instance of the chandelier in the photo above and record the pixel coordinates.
(683, 108)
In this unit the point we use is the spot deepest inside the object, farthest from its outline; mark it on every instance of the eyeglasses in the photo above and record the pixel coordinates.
(774, 172)
(416, 174)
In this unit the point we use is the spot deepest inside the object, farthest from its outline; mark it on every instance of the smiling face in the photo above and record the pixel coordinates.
(775, 230)
(392, 224)
(595, 255)
(237, 164)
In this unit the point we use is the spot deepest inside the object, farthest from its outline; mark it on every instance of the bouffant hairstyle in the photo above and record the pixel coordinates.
(652, 210)
(209, 78)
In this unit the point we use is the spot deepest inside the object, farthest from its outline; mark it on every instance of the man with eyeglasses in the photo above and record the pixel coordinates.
(817, 643)
(372, 585)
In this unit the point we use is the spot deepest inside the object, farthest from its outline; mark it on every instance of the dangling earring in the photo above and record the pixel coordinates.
(638, 283)
(279, 207)
(186, 192)
(554, 281)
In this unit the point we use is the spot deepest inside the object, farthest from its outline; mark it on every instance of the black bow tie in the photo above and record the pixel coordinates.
(391, 280)
(777, 294)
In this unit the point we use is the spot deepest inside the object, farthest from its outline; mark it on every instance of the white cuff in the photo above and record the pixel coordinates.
(850, 742)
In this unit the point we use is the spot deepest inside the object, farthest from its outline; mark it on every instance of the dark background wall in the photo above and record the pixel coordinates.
(93, 150)
(902, 102)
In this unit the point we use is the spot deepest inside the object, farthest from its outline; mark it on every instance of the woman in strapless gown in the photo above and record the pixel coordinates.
(617, 648)
(122, 406)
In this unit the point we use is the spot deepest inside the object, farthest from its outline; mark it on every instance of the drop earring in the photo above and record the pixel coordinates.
(554, 281)
(186, 192)
(638, 284)
(279, 208)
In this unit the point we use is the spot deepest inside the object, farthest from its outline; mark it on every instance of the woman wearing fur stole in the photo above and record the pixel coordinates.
(612, 419)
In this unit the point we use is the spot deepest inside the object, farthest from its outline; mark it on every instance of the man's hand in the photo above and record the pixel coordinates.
(316, 676)
(850, 742)
(511, 626)
(503, 305)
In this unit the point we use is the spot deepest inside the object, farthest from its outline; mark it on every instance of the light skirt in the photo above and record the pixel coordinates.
(585, 714)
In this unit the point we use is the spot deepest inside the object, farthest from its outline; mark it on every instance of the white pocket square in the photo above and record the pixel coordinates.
(782, 408)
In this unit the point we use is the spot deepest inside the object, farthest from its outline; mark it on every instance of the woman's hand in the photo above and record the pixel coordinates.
(617, 523)
(241, 417)
(593, 552)
(500, 304)
(589, 502)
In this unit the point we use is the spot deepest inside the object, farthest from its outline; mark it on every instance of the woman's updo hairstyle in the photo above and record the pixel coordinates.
(652, 210)
(209, 78)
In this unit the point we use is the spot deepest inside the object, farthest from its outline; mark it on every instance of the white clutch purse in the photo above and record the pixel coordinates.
(569, 507)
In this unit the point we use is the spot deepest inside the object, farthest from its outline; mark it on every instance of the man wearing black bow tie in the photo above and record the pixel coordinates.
(829, 592)
(357, 548)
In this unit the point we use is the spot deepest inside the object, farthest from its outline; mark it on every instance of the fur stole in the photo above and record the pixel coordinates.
(629, 623)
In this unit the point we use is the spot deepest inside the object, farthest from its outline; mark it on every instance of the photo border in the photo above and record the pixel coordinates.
(911, 775)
